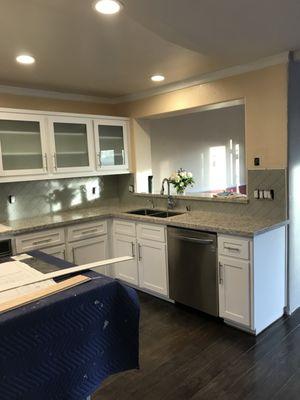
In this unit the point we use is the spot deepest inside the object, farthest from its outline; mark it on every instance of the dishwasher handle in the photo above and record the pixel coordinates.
(194, 240)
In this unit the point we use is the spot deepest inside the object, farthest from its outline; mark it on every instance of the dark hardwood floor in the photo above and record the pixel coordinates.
(185, 355)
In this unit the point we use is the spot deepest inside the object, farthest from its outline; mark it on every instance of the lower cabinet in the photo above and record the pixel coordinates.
(252, 276)
(57, 251)
(148, 269)
(234, 290)
(79, 243)
(89, 250)
(153, 266)
(126, 271)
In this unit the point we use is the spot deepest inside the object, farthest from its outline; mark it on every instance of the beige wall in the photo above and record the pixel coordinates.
(264, 92)
(265, 95)
(47, 104)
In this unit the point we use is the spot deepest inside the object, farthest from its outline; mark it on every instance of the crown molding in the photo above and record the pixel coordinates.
(209, 77)
(24, 91)
(204, 78)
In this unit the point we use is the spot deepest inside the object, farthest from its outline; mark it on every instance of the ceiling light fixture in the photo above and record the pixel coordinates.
(108, 6)
(157, 78)
(25, 59)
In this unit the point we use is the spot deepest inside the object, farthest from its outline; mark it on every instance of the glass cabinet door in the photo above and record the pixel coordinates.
(71, 144)
(22, 146)
(111, 143)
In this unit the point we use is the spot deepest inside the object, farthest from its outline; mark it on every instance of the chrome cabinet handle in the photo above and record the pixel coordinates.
(221, 273)
(46, 162)
(140, 252)
(41, 242)
(89, 232)
(73, 254)
(132, 250)
(231, 248)
(55, 161)
(99, 159)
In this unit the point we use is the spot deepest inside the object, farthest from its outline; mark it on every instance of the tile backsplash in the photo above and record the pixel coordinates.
(50, 196)
(257, 179)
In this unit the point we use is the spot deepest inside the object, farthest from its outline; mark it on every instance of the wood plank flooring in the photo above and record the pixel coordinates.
(186, 355)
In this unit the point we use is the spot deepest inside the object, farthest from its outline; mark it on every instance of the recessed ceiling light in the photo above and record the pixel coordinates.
(25, 59)
(157, 78)
(108, 6)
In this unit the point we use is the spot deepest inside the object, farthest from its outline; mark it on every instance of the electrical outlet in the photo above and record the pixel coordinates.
(262, 194)
(131, 188)
(256, 161)
(11, 199)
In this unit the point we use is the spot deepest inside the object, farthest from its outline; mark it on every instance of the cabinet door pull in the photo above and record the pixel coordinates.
(99, 159)
(132, 249)
(46, 162)
(41, 242)
(73, 254)
(88, 232)
(140, 252)
(55, 161)
(221, 274)
(230, 248)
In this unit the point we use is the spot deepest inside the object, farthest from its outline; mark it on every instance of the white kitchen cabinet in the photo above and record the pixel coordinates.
(252, 279)
(23, 148)
(153, 266)
(112, 144)
(126, 246)
(46, 145)
(148, 269)
(40, 240)
(234, 290)
(89, 250)
(56, 251)
(86, 230)
(71, 144)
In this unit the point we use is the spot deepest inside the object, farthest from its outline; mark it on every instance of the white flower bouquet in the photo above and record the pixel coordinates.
(181, 180)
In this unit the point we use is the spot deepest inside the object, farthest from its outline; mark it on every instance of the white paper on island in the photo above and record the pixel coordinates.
(14, 277)
(15, 273)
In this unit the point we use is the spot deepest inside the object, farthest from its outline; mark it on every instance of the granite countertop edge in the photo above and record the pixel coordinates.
(70, 218)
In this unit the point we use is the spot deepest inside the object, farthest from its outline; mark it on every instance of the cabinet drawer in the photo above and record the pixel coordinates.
(83, 231)
(124, 228)
(151, 232)
(234, 247)
(39, 240)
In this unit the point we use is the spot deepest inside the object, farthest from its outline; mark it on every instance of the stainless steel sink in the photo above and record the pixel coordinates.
(154, 213)
(166, 214)
(145, 211)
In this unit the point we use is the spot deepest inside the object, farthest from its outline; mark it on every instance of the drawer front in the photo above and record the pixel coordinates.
(234, 247)
(151, 232)
(126, 228)
(39, 240)
(88, 230)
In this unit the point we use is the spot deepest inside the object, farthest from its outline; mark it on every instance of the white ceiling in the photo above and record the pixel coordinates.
(80, 51)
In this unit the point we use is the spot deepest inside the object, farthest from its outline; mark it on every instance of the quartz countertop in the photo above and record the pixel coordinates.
(4, 229)
(207, 221)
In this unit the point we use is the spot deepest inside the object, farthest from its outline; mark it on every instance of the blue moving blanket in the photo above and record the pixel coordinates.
(62, 347)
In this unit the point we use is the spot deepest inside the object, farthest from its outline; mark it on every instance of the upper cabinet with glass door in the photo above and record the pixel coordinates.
(111, 141)
(71, 144)
(23, 148)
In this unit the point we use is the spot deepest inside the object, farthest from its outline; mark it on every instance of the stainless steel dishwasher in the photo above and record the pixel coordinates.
(193, 269)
